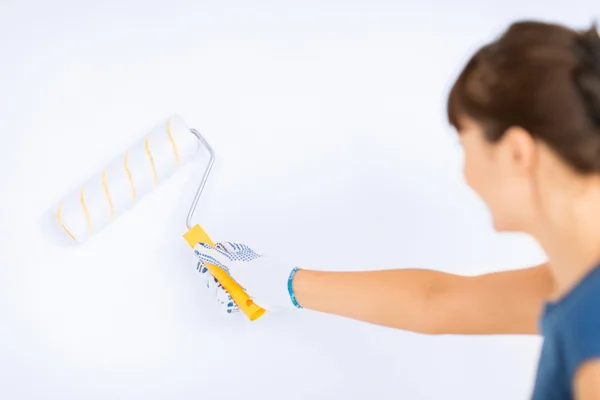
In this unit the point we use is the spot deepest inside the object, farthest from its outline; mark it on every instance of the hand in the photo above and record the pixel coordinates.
(268, 282)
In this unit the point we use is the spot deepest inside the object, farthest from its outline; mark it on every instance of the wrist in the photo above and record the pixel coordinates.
(291, 286)
(299, 284)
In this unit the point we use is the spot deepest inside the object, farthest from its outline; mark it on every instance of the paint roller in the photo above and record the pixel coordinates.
(130, 176)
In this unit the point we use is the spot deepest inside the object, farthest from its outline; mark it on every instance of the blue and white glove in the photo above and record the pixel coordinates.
(267, 281)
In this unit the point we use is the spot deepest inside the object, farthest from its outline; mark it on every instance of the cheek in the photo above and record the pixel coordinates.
(474, 174)
(500, 194)
(482, 177)
(481, 170)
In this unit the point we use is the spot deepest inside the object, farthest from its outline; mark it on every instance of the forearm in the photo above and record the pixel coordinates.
(430, 301)
(396, 298)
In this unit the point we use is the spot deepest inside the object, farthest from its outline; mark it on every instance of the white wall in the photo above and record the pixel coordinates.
(333, 151)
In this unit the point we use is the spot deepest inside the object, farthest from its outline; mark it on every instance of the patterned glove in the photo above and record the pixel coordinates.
(268, 282)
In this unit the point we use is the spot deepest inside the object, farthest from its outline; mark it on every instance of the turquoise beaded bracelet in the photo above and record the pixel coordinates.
(291, 289)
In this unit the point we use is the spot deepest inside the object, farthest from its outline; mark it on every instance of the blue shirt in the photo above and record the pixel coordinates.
(571, 331)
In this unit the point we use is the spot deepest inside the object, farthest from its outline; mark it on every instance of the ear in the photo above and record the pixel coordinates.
(518, 150)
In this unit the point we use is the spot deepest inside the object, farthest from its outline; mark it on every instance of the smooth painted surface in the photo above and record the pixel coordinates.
(332, 151)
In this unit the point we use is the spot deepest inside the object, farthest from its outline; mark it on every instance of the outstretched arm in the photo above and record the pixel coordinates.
(418, 300)
(431, 302)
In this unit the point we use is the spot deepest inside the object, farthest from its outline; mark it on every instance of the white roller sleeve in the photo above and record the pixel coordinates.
(125, 180)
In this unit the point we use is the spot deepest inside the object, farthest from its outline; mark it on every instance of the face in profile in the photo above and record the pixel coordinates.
(502, 173)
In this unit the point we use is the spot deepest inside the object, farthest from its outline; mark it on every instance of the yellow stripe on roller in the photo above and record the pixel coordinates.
(173, 144)
(85, 210)
(151, 160)
(129, 176)
(58, 215)
(107, 194)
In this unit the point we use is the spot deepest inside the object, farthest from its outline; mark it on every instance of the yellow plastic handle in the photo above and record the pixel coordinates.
(197, 235)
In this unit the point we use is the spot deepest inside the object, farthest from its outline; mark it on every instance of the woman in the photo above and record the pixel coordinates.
(527, 111)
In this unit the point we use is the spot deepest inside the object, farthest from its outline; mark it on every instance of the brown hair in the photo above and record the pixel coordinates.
(544, 78)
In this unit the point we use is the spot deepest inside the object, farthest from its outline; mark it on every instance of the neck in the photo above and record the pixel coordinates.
(571, 240)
